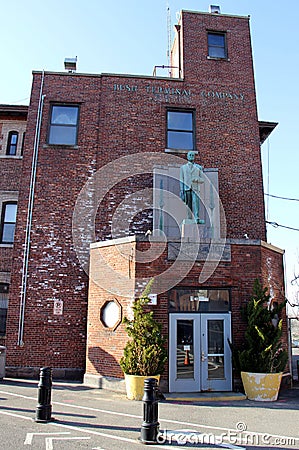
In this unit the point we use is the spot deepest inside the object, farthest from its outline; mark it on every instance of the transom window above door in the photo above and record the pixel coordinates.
(199, 300)
(180, 130)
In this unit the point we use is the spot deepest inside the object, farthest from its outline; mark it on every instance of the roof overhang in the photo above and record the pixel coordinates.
(266, 129)
(14, 110)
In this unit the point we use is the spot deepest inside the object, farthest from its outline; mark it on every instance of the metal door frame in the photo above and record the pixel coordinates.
(200, 381)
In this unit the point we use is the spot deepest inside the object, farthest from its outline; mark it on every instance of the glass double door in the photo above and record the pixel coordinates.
(199, 353)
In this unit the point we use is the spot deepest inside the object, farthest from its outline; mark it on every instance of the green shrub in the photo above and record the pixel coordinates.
(262, 352)
(144, 353)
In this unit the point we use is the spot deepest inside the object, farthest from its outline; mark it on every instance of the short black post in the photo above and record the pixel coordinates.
(150, 424)
(44, 407)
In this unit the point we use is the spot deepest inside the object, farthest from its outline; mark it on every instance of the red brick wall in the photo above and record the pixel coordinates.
(273, 278)
(227, 131)
(119, 116)
(54, 270)
(105, 347)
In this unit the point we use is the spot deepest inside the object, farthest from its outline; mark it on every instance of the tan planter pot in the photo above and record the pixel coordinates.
(261, 387)
(135, 385)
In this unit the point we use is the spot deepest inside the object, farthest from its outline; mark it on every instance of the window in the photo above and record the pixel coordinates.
(8, 222)
(217, 45)
(4, 289)
(12, 143)
(180, 132)
(63, 125)
(23, 141)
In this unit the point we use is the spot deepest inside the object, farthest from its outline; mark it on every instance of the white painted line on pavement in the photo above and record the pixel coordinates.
(77, 429)
(29, 436)
(5, 413)
(76, 406)
(116, 413)
(49, 440)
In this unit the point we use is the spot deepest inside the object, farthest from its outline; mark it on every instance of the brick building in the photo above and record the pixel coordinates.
(99, 212)
(12, 134)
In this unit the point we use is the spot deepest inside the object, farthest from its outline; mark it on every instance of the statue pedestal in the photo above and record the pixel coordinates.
(191, 230)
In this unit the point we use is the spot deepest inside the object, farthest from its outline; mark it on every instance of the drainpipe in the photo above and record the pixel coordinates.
(29, 214)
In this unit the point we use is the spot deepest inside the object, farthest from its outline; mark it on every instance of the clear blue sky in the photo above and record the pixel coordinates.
(131, 37)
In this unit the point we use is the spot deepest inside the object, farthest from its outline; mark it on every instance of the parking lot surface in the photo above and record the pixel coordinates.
(85, 418)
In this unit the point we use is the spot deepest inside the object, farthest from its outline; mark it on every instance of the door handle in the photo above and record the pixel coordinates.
(203, 357)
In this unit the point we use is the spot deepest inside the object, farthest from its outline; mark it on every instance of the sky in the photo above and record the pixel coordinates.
(131, 37)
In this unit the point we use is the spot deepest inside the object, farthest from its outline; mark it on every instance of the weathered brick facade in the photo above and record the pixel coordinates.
(78, 190)
(12, 119)
(250, 260)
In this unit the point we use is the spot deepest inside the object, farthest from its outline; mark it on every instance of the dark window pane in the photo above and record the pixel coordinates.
(217, 52)
(184, 299)
(63, 135)
(185, 349)
(3, 315)
(12, 143)
(178, 120)
(216, 43)
(8, 233)
(216, 39)
(180, 140)
(23, 140)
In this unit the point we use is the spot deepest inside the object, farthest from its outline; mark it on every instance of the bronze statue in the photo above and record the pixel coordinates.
(190, 181)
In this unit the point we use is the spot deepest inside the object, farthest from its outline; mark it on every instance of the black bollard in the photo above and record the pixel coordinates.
(150, 424)
(44, 407)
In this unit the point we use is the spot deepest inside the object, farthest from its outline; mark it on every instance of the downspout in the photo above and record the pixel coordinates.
(29, 214)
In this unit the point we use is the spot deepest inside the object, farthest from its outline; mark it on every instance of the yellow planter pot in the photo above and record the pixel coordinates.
(135, 385)
(262, 387)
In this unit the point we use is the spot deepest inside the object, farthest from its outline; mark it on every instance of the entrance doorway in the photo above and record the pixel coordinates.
(199, 353)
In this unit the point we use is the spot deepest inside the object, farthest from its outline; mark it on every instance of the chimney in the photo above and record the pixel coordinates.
(214, 9)
(70, 64)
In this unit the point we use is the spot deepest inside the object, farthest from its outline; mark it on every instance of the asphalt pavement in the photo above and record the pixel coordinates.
(95, 419)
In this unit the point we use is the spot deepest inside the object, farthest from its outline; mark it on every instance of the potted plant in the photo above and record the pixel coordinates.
(145, 353)
(262, 360)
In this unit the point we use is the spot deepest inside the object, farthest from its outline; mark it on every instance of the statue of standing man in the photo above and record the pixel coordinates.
(190, 181)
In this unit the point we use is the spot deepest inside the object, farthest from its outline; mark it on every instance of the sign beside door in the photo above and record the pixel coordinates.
(199, 353)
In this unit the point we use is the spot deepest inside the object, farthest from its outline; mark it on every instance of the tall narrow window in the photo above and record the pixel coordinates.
(12, 143)
(180, 130)
(23, 141)
(63, 125)
(8, 222)
(217, 45)
(4, 290)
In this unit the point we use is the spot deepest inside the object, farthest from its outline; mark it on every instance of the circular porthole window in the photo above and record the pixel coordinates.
(111, 314)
